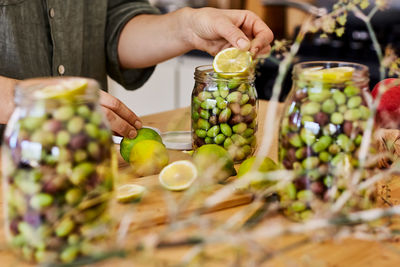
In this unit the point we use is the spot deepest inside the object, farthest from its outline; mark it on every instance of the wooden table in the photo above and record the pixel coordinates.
(149, 218)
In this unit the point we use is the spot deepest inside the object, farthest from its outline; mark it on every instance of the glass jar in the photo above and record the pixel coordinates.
(58, 166)
(321, 131)
(224, 111)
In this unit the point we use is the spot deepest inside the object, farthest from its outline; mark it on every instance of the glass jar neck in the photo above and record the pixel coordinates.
(206, 74)
(65, 89)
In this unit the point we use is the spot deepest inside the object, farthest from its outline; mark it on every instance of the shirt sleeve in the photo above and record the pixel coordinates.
(119, 12)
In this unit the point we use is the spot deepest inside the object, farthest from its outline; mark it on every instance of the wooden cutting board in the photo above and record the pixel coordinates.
(158, 204)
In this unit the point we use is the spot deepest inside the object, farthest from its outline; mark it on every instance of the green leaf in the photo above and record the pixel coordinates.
(342, 19)
(364, 4)
(340, 31)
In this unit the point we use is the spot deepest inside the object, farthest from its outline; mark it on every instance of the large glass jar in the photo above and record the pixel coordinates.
(224, 111)
(58, 168)
(321, 132)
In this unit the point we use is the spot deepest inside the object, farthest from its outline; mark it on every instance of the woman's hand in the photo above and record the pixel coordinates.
(212, 30)
(122, 120)
(147, 40)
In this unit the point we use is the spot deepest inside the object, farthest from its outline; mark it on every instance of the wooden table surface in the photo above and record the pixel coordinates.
(348, 252)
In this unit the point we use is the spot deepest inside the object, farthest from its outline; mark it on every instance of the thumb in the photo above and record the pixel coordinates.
(233, 35)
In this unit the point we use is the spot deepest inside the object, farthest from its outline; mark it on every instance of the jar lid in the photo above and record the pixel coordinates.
(177, 140)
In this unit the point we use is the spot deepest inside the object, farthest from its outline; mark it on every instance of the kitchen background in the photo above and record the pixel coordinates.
(171, 84)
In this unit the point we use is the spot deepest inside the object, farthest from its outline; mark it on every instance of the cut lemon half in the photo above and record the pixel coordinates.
(178, 175)
(232, 62)
(130, 193)
(332, 75)
(68, 88)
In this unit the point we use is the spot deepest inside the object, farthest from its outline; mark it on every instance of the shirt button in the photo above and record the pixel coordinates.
(51, 12)
(61, 69)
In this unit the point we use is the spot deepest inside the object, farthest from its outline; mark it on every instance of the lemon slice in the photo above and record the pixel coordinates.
(178, 175)
(68, 88)
(232, 62)
(130, 193)
(332, 75)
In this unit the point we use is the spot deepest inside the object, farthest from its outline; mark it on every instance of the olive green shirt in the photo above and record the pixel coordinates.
(68, 37)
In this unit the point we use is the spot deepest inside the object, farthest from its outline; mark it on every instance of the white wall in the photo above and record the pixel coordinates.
(168, 88)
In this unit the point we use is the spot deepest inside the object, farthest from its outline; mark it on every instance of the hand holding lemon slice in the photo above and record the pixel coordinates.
(232, 62)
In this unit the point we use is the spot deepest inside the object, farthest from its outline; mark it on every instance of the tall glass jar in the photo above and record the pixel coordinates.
(321, 132)
(224, 111)
(58, 167)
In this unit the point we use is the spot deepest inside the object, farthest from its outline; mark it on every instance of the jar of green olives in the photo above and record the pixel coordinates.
(58, 166)
(321, 132)
(224, 111)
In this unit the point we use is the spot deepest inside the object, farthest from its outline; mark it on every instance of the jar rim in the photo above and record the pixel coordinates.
(205, 72)
(27, 89)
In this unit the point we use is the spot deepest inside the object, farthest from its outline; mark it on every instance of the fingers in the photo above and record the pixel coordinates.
(122, 120)
(263, 37)
(232, 34)
(118, 125)
(120, 109)
(250, 26)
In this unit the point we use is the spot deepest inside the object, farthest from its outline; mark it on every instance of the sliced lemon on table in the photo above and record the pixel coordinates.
(178, 175)
(67, 88)
(331, 75)
(232, 62)
(130, 193)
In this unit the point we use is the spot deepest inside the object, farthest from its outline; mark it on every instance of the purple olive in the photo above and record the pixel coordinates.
(348, 128)
(287, 164)
(300, 95)
(235, 119)
(291, 155)
(52, 125)
(33, 218)
(55, 185)
(301, 183)
(14, 226)
(318, 188)
(321, 118)
(79, 141)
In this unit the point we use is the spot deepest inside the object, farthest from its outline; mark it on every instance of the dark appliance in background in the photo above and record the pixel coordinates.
(355, 45)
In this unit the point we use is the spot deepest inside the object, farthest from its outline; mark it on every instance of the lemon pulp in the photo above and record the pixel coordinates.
(232, 62)
(130, 193)
(178, 175)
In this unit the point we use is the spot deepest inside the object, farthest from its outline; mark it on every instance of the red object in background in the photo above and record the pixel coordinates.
(388, 113)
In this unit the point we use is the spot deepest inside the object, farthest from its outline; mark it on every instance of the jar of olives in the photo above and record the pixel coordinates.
(58, 167)
(224, 111)
(321, 132)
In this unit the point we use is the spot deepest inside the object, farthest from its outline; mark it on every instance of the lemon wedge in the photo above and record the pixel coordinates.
(130, 193)
(232, 62)
(68, 88)
(332, 75)
(178, 175)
